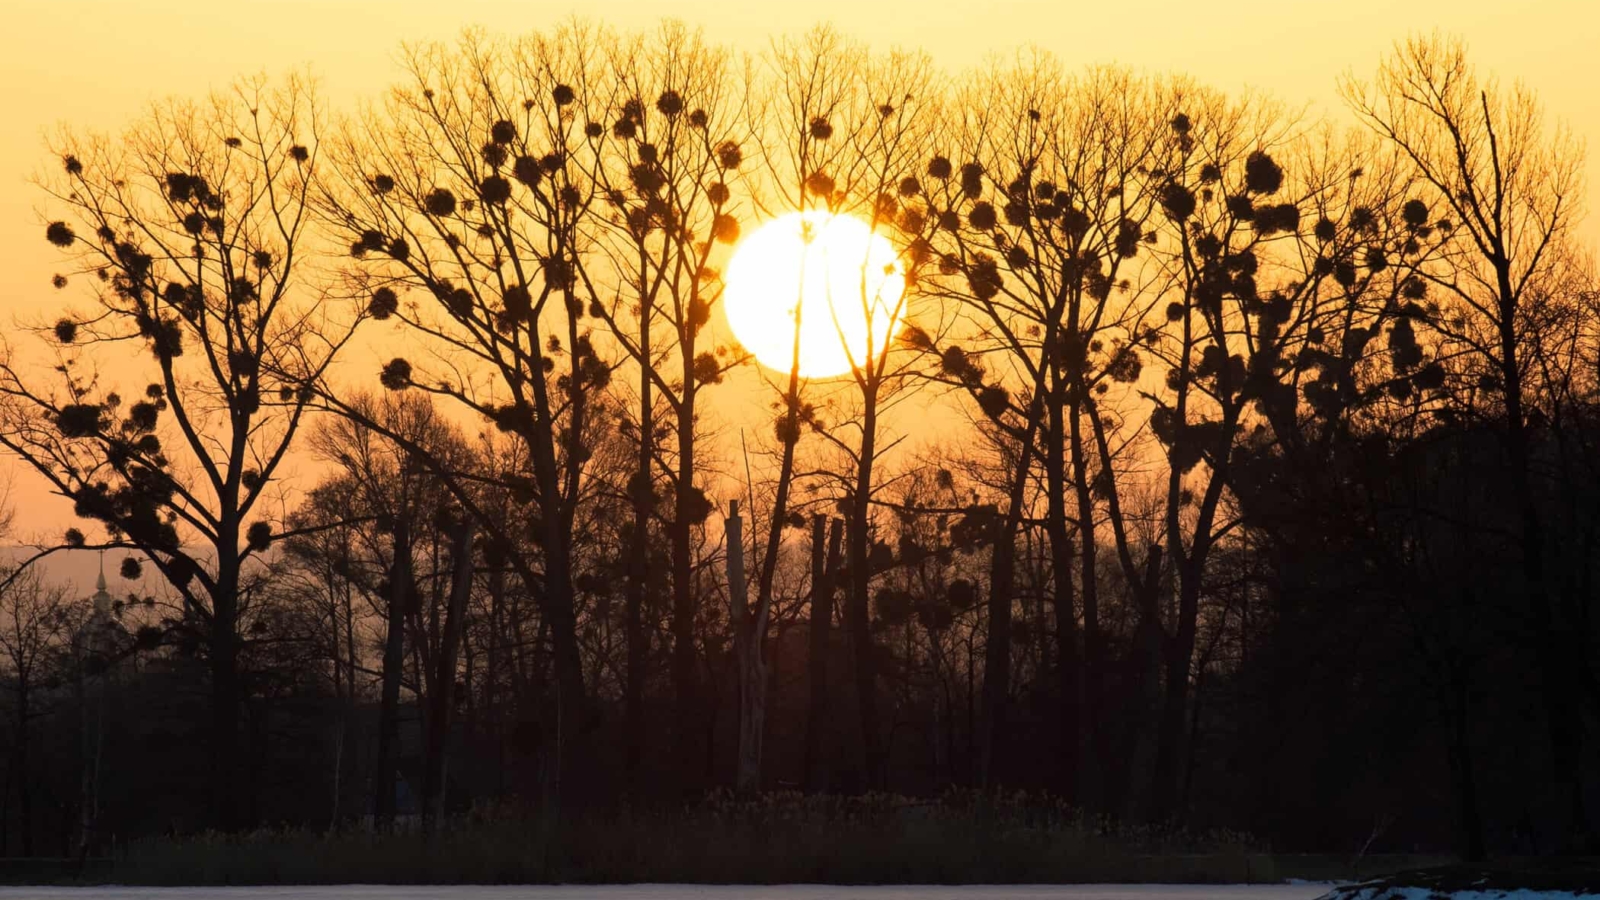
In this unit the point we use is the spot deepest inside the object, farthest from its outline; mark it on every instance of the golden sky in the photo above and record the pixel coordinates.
(95, 63)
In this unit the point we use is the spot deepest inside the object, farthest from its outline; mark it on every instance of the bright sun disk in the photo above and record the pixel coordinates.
(846, 279)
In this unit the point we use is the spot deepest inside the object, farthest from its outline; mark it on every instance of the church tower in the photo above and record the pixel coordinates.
(101, 598)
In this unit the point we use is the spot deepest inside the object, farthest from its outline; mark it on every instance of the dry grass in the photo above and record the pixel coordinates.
(777, 838)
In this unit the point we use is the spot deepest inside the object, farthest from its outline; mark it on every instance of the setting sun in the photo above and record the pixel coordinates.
(847, 280)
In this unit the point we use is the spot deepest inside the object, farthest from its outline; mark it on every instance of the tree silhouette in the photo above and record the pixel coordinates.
(848, 128)
(37, 622)
(467, 194)
(192, 229)
(667, 168)
(1063, 162)
(1222, 463)
(1511, 193)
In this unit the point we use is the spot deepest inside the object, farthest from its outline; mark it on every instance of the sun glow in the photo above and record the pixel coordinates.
(846, 280)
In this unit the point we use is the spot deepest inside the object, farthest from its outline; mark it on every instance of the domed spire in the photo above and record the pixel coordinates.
(102, 598)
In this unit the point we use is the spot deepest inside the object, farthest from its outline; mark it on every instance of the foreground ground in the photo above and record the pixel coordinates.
(685, 892)
(1479, 889)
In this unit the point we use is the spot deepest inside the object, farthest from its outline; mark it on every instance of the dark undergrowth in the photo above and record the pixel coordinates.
(778, 838)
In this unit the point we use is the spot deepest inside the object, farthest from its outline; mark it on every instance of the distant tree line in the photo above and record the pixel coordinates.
(1266, 494)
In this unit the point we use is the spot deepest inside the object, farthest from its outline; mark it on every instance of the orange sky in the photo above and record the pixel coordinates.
(95, 63)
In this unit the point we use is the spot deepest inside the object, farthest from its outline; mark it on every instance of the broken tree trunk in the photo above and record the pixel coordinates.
(749, 626)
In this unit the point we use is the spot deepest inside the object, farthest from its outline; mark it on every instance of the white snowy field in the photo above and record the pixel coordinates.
(684, 892)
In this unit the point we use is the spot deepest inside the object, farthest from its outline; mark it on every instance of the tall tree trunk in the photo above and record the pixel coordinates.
(383, 807)
(633, 687)
(566, 787)
(491, 679)
(1061, 566)
(1124, 793)
(1092, 748)
(997, 642)
(557, 480)
(750, 626)
(824, 566)
(226, 780)
(443, 700)
(20, 757)
(1179, 654)
(1558, 654)
(641, 490)
(342, 696)
(689, 509)
(857, 610)
(749, 629)
(997, 656)
(1190, 570)
(350, 667)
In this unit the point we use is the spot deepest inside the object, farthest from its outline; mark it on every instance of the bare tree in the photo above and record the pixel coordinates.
(1513, 191)
(390, 502)
(1052, 297)
(666, 165)
(847, 129)
(37, 622)
(193, 230)
(466, 194)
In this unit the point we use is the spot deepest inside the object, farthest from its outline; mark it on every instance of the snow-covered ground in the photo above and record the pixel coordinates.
(689, 892)
(1423, 893)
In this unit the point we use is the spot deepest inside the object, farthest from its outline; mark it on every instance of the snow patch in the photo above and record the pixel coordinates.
(1385, 892)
